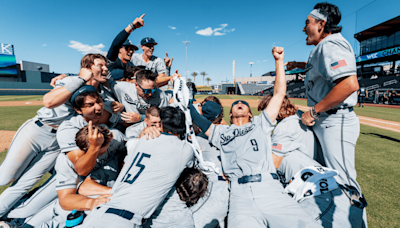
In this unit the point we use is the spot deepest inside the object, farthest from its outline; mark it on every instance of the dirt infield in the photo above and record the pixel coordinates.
(20, 103)
(6, 138)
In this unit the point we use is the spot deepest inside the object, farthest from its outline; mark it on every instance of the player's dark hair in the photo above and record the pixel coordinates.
(79, 100)
(287, 107)
(82, 137)
(191, 85)
(216, 100)
(173, 120)
(191, 185)
(153, 111)
(145, 75)
(88, 60)
(230, 112)
(131, 70)
(334, 17)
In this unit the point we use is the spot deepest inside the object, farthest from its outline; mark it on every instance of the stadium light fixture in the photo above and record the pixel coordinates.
(251, 68)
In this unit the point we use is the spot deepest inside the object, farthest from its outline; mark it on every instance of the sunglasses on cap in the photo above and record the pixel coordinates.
(243, 102)
(147, 91)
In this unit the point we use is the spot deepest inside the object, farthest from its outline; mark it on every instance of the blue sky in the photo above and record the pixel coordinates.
(58, 33)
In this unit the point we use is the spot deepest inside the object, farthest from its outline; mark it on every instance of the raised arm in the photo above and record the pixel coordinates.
(60, 95)
(280, 85)
(122, 36)
(203, 123)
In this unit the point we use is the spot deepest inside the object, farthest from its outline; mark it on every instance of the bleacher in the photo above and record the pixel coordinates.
(254, 88)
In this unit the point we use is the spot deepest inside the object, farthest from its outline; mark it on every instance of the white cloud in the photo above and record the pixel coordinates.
(178, 34)
(205, 32)
(171, 27)
(220, 31)
(85, 48)
(44, 45)
(196, 27)
(264, 60)
(219, 34)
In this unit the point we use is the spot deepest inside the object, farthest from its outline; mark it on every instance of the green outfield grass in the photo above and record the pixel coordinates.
(14, 116)
(391, 114)
(22, 98)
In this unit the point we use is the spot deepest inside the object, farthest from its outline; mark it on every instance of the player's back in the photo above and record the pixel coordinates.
(150, 171)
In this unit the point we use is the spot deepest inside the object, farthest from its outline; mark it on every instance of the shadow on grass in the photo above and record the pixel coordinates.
(382, 136)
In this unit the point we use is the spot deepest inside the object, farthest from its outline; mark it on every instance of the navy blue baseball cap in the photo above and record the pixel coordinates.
(129, 43)
(82, 90)
(211, 110)
(148, 40)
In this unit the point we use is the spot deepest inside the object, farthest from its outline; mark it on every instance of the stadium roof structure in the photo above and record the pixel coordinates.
(387, 27)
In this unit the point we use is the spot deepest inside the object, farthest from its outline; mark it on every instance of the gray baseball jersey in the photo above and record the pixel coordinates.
(332, 207)
(32, 152)
(148, 175)
(291, 134)
(156, 64)
(127, 95)
(245, 150)
(212, 209)
(331, 59)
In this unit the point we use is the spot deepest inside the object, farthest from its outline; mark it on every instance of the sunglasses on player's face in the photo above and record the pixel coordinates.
(241, 101)
(147, 91)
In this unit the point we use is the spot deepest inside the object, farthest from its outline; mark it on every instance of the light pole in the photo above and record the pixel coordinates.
(251, 68)
(186, 43)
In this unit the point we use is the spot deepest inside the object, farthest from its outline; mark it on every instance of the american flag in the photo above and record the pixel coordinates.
(277, 146)
(338, 64)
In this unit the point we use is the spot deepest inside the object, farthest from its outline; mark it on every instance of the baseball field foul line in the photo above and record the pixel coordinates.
(367, 121)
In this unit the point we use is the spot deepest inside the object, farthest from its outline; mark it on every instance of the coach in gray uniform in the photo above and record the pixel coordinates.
(149, 173)
(331, 90)
(256, 198)
(137, 97)
(34, 148)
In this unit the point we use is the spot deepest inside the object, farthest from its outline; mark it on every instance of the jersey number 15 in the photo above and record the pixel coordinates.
(141, 166)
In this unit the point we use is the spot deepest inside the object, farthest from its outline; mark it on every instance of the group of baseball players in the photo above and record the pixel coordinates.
(127, 155)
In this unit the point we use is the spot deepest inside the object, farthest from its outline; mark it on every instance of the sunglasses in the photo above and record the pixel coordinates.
(147, 91)
(129, 48)
(243, 102)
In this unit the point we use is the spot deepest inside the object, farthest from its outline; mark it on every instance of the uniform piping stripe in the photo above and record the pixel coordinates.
(326, 210)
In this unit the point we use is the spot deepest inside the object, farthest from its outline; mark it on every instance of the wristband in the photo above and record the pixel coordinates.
(132, 26)
(313, 113)
(74, 84)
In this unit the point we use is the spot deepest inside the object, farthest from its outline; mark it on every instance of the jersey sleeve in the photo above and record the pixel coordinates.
(265, 122)
(215, 135)
(107, 174)
(134, 130)
(338, 60)
(163, 100)
(160, 66)
(66, 176)
(282, 141)
(66, 137)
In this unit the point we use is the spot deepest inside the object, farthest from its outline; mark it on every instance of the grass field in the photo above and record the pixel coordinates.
(22, 98)
(377, 160)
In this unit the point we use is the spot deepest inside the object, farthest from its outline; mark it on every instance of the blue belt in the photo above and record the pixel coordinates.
(254, 178)
(40, 124)
(334, 111)
(221, 178)
(122, 213)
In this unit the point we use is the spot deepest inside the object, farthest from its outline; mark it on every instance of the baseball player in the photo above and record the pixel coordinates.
(139, 96)
(149, 173)
(256, 198)
(212, 209)
(153, 63)
(34, 148)
(121, 50)
(331, 89)
(133, 132)
(90, 108)
(362, 94)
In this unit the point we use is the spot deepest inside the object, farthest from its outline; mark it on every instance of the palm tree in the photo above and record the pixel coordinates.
(189, 80)
(208, 80)
(204, 74)
(194, 74)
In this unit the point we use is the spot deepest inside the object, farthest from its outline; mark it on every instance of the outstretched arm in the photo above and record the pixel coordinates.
(203, 123)
(122, 36)
(280, 85)
(69, 200)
